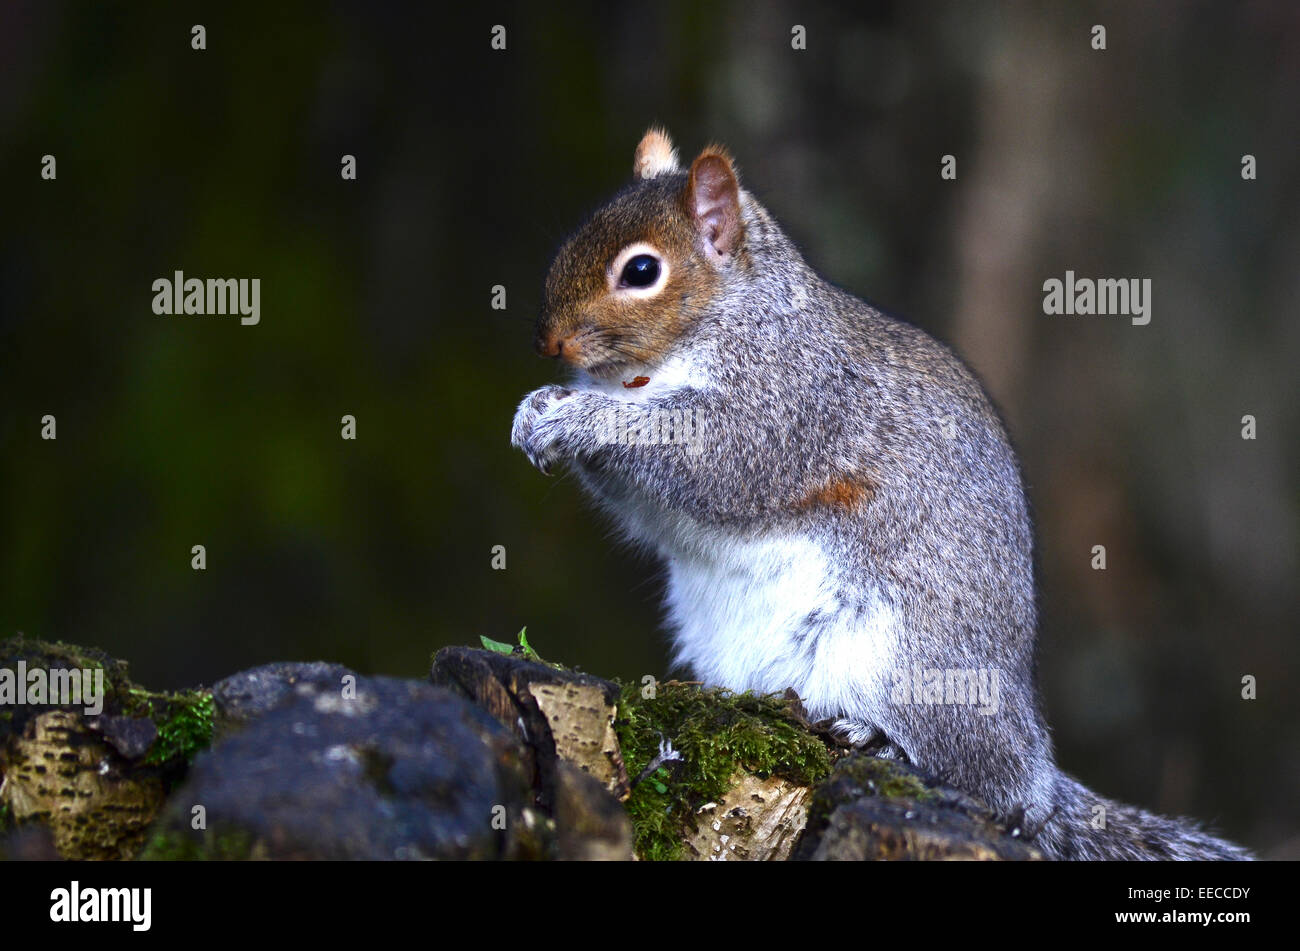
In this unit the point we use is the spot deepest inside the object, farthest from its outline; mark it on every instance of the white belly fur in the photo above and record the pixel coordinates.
(735, 613)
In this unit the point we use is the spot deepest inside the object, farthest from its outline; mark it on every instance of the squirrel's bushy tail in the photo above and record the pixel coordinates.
(1090, 827)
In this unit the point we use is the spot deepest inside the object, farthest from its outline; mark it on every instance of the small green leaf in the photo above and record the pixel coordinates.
(527, 648)
(498, 646)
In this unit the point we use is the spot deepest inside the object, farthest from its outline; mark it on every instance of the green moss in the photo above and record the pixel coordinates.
(860, 774)
(209, 846)
(184, 727)
(883, 778)
(717, 733)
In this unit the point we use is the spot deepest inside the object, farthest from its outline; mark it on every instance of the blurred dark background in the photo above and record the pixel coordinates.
(473, 164)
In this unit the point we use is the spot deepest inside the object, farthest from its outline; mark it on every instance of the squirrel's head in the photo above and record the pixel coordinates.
(631, 281)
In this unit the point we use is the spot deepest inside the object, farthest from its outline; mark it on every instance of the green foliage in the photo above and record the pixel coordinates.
(500, 647)
(717, 733)
(523, 648)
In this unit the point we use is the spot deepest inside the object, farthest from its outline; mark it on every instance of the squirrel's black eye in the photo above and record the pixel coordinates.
(640, 271)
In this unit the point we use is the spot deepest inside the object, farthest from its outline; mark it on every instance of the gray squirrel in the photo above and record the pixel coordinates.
(834, 496)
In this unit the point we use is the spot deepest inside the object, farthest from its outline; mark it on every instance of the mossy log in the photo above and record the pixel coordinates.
(882, 810)
(524, 760)
(735, 780)
(716, 775)
(95, 780)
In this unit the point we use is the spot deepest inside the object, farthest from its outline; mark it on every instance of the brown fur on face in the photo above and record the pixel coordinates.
(589, 326)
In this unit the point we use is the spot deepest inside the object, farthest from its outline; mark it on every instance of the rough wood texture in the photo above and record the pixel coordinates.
(61, 773)
(559, 714)
(582, 724)
(590, 825)
(759, 820)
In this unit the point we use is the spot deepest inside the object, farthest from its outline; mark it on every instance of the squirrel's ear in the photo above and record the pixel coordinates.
(713, 199)
(655, 155)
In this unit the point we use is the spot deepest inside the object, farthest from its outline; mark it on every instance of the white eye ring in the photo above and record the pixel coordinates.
(615, 272)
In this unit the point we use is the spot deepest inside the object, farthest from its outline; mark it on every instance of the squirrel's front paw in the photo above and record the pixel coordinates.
(536, 429)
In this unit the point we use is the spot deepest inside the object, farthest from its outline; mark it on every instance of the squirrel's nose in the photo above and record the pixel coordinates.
(549, 344)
